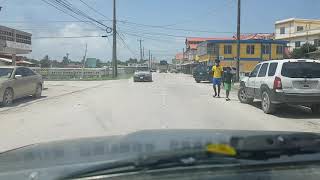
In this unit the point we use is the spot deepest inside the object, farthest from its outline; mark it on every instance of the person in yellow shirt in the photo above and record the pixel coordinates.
(217, 72)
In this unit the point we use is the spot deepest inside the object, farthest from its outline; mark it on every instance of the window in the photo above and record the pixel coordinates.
(20, 71)
(299, 28)
(279, 49)
(28, 72)
(301, 70)
(227, 49)
(282, 30)
(250, 49)
(272, 69)
(265, 48)
(255, 71)
(316, 42)
(297, 44)
(263, 70)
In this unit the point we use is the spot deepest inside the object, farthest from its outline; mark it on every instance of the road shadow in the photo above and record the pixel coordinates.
(25, 101)
(291, 111)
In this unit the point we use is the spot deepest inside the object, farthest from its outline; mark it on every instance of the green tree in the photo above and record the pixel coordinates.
(65, 60)
(303, 51)
(45, 61)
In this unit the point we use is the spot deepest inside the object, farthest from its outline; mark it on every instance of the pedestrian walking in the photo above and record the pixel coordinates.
(227, 81)
(217, 72)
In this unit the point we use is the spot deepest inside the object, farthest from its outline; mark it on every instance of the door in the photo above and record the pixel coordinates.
(32, 79)
(21, 85)
(251, 80)
(260, 79)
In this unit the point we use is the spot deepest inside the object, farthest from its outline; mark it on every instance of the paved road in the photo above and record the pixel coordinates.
(173, 101)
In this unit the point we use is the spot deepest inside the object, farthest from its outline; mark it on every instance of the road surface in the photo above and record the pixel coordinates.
(173, 101)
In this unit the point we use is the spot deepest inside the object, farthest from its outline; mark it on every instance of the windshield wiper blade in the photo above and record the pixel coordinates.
(248, 149)
(163, 160)
(274, 146)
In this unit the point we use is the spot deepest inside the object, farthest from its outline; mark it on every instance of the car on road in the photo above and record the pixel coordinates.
(202, 73)
(142, 76)
(288, 81)
(17, 82)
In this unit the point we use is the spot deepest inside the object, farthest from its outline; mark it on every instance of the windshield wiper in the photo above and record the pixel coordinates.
(248, 149)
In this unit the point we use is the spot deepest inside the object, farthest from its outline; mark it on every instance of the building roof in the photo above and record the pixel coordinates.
(256, 36)
(5, 60)
(200, 39)
(297, 19)
(179, 56)
(250, 41)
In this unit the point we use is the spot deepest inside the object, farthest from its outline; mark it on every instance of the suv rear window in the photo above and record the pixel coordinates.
(301, 70)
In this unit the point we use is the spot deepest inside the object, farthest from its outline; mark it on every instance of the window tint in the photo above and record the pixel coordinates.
(297, 44)
(272, 69)
(20, 71)
(301, 70)
(255, 71)
(28, 72)
(263, 70)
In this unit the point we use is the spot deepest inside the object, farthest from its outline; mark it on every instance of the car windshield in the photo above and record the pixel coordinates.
(301, 70)
(5, 72)
(108, 70)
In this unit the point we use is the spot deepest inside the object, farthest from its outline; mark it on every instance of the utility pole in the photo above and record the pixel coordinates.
(143, 53)
(140, 40)
(114, 44)
(238, 42)
(84, 61)
(149, 60)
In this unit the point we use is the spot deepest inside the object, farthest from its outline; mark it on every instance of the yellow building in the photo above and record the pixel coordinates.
(251, 52)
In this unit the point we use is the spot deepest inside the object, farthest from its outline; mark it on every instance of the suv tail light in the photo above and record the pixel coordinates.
(277, 83)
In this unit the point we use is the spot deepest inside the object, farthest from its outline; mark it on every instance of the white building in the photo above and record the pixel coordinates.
(298, 31)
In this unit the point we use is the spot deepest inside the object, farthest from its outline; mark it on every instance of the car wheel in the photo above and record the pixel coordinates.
(7, 97)
(197, 80)
(315, 108)
(242, 96)
(38, 91)
(266, 103)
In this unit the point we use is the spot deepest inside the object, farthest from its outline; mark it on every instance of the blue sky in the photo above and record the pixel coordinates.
(162, 24)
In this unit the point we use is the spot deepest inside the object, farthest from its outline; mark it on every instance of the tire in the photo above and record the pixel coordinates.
(38, 91)
(242, 96)
(198, 81)
(7, 98)
(266, 103)
(315, 108)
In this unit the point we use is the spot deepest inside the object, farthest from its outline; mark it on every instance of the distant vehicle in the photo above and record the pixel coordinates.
(142, 76)
(153, 70)
(202, 73)
(17, 82)
(163, 67)
(289, 81)
(173, 71)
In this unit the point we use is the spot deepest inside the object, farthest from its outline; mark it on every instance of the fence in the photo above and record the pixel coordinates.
(78, 73)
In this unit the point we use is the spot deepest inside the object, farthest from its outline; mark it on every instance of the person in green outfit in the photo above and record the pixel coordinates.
(227, 80)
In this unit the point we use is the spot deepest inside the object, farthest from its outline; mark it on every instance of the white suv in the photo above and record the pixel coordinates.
(290, 81)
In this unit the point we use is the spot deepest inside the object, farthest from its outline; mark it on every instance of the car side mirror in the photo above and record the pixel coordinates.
(17, 76)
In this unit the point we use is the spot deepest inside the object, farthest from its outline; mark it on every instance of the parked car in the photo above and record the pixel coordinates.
(17, 82)
(142, 76)
(289, 81)
(202, 73)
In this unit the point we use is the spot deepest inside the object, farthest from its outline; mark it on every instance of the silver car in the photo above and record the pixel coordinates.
(17, 82)
(142, 76)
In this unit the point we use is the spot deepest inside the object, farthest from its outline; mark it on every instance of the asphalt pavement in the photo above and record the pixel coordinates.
(71, 109)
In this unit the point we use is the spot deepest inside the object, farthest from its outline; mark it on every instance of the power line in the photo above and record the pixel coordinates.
(65, 4)
(93, 9)
(64, 37)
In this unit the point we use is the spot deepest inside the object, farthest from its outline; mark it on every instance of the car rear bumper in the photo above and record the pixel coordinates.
(202, 78)
(297, 98)
(144, 79)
